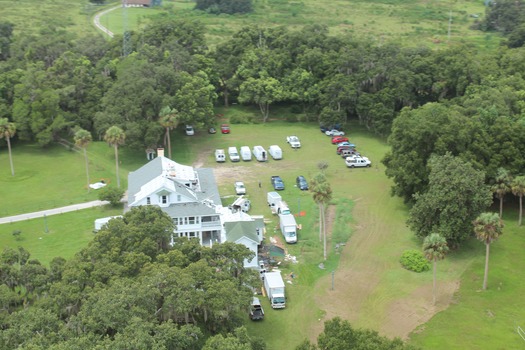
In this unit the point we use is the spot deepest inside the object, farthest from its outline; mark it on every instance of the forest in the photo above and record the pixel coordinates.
(465, 105)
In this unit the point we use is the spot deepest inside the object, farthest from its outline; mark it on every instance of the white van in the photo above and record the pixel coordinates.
(276, 152)
(233, 154)
(220, 157)
(260, 153)
(246, 154)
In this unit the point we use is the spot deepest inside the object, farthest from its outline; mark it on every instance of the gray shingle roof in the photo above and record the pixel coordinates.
(237, 229)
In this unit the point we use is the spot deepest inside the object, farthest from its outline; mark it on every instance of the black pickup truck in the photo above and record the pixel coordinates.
(256, 310)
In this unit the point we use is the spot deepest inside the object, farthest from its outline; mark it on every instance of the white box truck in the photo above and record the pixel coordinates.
(260, 153)
(276, 152)
(220, 157)
(273, 199)
(246, 154)
(288, 227)
(274, 287)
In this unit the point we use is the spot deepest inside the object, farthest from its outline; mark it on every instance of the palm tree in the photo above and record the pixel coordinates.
(501, 187)
(83, 139)
(487, 227)
(435, 248)
(7, 131)
(169, 120)
(518, 189)
(322, 194)
(115, 137)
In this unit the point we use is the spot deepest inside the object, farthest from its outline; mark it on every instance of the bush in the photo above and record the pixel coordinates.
(111, 194)
(414, 260)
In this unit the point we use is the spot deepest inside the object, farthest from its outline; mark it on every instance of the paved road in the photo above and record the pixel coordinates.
(40, 214)
(96, 21)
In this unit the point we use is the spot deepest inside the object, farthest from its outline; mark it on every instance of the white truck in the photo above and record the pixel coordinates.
(273, 199)
(293, 141)
(358, 162)
(260, 153)
(274, 287)
(246, 154)
(288, 227)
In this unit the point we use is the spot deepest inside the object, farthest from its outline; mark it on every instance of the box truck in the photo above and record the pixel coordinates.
(288, 227)
(273, 199)
(274, 287)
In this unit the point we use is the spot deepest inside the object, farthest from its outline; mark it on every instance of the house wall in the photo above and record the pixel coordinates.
(157, 199)
(254, 263)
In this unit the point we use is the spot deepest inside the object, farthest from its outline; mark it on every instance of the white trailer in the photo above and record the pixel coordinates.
(274, 287)
(260, 153)
(288, 227)
(274, 199)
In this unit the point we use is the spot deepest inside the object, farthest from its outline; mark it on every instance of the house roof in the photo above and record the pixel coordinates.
(164, 174)
(236, 230)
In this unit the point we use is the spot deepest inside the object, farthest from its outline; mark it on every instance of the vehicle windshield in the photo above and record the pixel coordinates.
(278, 300)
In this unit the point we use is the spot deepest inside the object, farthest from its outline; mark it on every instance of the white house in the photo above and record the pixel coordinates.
(191, 198)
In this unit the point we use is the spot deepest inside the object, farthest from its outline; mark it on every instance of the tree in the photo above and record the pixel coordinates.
(263, 91)
(115, 137)
(456, 195)
(518, 189)
(501, 187)
(169, 120)
(83, 139)
(111, 194)
(322, 194)
(487, 227)
(340, 335)
(7, 131)
(435, 248)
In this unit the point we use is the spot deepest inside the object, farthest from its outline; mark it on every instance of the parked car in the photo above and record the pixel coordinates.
(345, 143)
(339, 139)
(349, 152)
(293, 141)
(233, 153)
(256, 310)
(212, 130)
(225, 129)
(331, 127)
(189, 130)
(277, 183)
(357, 162)
(342, 148)
(239, 188)
(301, 183)
(334, 132)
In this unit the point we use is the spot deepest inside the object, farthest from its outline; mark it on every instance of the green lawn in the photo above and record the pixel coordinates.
(484, 319)
(66, 233)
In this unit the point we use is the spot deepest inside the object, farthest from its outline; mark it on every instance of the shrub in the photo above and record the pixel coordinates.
(111, 194)
(414, 260)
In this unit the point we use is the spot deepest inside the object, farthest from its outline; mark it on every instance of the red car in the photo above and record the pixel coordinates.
(339, 139)
(225, 129)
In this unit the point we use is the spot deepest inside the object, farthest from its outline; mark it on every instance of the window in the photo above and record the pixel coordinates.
(191, 220)
(179, 198)
(164, 199)
(148, 200)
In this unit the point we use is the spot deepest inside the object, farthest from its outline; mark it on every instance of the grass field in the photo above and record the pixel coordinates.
(409, 22)
(66, 233)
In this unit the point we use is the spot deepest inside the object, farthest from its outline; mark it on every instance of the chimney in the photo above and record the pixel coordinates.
(160, 152)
